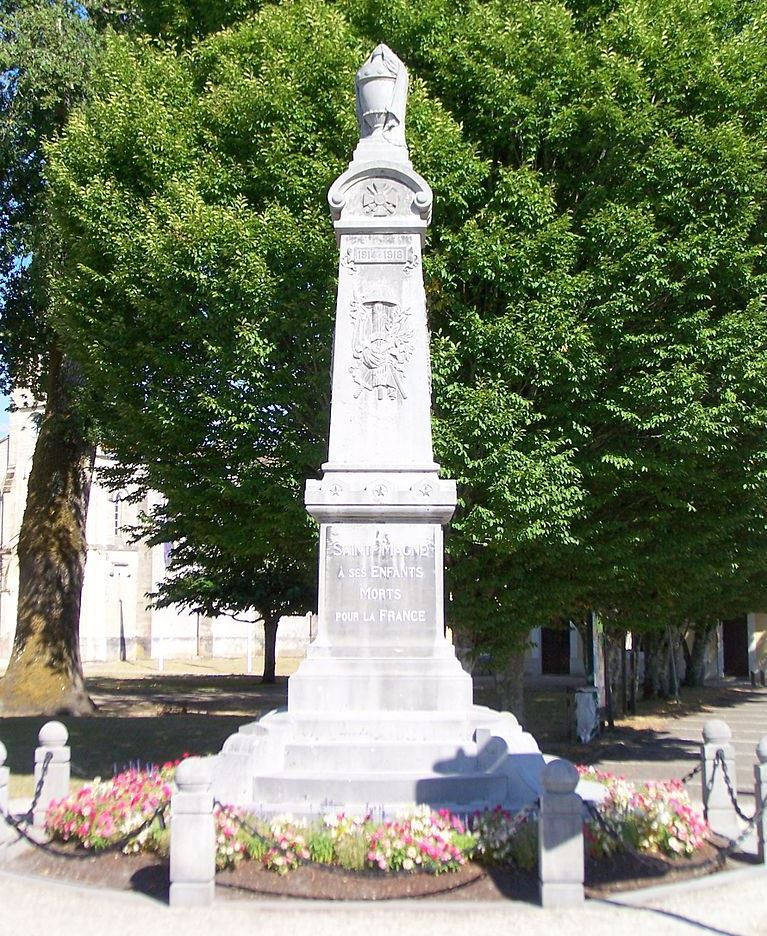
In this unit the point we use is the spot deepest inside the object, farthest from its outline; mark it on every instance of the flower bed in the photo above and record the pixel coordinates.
(655, 818)
(107, 811)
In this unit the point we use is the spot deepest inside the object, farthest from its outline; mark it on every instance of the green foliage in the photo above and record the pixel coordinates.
(256, 847)
(595, 279)
(46, 55)
(351, 851)
(321, 845)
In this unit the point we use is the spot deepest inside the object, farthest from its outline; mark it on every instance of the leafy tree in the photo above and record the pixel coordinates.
(46, 54)
(595, 277)
(630, 135)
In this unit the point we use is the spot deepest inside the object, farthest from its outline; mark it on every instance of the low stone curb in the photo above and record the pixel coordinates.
(637, 897)
(643, 895)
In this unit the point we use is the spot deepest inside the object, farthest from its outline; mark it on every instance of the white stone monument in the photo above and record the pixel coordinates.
(380, 713)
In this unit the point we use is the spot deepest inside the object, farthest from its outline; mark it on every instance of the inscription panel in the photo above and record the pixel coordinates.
(381, 254)
(380, 583)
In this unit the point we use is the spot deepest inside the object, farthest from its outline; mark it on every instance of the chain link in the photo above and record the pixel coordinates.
(615, 834)
(693, 773)
(28, 817)
(736, 843)
(722, 762)
(17, 823)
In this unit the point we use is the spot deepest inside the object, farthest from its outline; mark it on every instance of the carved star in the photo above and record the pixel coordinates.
(426, 489)
(380, 490)
(335, 489)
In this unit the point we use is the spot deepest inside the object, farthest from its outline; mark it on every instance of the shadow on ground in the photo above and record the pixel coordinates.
(148, 721)
(159, 717)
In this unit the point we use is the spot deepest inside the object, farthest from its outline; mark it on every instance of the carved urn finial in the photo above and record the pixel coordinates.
(382, 96)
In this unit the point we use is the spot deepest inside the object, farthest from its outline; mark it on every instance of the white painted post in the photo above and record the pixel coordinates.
(760, 791)
(53, 739)
(249, 666)
(4, 780)
(560, 837)
(193, 835)
(717, 805)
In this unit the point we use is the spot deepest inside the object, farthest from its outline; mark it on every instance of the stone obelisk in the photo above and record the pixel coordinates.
(380, 713)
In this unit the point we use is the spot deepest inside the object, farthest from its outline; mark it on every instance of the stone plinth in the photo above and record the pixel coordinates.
(380, 713)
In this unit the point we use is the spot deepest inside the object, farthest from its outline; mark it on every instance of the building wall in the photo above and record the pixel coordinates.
(116, 621)
(757, 632)
(16, 451)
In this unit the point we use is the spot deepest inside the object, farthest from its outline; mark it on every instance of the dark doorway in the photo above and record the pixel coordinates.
(735, 646)
(555, 651)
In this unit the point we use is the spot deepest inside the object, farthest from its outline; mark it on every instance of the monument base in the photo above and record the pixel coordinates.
(379, 735)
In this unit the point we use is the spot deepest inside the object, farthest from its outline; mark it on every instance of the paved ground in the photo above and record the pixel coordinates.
(674, 749)
(727, 908)
(733, 905)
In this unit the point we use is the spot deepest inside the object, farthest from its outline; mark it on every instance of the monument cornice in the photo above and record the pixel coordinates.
(415, 221)
(327, 512)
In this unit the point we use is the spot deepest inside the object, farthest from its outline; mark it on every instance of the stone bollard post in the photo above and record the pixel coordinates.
(192, 835)
(4, 780)
(560, 837)
(760, 791)
(53, 739)
(717, 805)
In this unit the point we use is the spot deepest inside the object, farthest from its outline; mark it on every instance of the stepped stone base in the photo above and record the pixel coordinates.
(395, 733)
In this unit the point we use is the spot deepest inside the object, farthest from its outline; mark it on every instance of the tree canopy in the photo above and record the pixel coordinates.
(595, 278)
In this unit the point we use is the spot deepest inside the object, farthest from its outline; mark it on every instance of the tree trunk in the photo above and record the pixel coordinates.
(695, 674)
(656, 680)
(45, 675)
(270, 647)
(509, 683)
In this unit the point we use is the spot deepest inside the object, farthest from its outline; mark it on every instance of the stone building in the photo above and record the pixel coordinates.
(737, 648)
(116, 621)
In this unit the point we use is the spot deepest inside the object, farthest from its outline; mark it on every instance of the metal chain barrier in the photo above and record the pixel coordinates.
(722, 853)
(721, 762)
(750, 822)
(18, 823)
(615, 834)
(29, 815)
(693, 773)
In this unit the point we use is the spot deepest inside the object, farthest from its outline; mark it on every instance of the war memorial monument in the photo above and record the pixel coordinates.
(380, 713)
